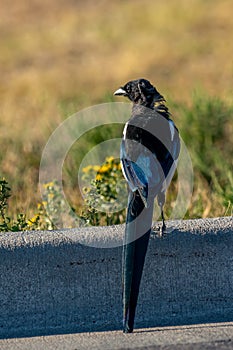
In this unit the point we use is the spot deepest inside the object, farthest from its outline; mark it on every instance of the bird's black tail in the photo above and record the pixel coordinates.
(137, 233)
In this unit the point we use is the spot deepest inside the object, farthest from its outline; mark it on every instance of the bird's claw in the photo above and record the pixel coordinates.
(160, 231)
(128, 330)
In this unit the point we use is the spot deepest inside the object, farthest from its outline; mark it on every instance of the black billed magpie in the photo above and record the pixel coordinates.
(149, 152)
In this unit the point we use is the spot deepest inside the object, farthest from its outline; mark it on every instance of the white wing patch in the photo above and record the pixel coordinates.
(172, 129)
(124, 131)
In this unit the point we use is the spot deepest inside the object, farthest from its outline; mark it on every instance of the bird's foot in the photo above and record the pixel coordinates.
(128, 330)
(159, 231)
(127, 327)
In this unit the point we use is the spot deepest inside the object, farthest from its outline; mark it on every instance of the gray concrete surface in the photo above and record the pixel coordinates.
(195, 337)
(51, 283)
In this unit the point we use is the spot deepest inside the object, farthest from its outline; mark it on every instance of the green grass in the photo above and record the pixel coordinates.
(206, 127)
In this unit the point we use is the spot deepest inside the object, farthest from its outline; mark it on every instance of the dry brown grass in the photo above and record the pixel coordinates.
(59, 56)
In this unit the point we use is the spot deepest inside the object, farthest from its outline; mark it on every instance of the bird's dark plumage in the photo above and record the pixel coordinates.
(149, 152)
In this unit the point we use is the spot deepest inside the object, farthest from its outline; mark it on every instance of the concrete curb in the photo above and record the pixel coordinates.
(52, 283)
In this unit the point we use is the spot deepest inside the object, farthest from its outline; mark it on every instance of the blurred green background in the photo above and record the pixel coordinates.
(58, 57)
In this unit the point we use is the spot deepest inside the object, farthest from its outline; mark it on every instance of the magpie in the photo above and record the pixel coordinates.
(149, 153)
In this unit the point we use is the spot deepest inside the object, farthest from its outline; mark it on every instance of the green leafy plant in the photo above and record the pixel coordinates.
(105, 194)
(4, 195)
(50, 210)
(7, 223)
(206, 127)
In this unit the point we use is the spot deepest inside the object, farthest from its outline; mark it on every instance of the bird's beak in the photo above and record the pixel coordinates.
(120, 92)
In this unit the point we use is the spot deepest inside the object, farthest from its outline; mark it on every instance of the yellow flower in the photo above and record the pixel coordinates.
(33, 220)
(86, 190)
(110, 159)
(96, 167)
(87, 169)
(48, 184)
(105, 168)
(98, 177)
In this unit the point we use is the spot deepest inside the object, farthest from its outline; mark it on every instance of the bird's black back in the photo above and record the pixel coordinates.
(151, 128)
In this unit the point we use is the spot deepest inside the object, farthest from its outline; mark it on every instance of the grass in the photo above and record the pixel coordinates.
(61, 56)
(206, 128)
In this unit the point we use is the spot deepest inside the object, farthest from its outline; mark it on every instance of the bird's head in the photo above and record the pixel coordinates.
(140, 91)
